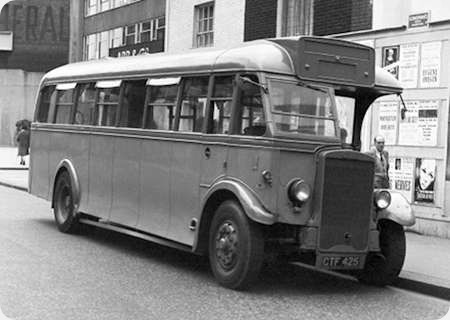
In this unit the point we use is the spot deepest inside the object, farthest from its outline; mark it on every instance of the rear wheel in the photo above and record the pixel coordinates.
(236, 247)
(383, 269)
(63, 206)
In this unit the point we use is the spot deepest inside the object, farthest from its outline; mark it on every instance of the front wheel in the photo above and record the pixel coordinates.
(63, 206)
(236, 247)
(383, 269)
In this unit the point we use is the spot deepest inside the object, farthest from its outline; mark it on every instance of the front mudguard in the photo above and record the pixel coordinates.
(399, 210)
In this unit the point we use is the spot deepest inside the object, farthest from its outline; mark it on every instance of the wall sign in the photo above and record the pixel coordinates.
(418, 20)
(401, 176)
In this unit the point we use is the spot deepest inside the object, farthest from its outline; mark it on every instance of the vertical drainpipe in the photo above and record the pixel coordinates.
(168, 22)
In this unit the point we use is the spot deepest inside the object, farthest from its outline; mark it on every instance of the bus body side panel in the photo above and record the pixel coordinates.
(247, 164)
(125, 180)
(154, 179)
(75, 148)
(39, 156)
(100, 175)
(184, 193)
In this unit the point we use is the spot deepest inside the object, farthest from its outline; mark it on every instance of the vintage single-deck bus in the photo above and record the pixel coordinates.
(236, 154)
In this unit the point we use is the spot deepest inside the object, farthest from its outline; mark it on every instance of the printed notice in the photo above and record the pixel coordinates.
(430, 66)
(419, 127)
(401, 176)
(387, 124)
(409, 61)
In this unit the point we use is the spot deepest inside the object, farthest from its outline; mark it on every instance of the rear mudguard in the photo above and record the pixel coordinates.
(399, 210)
(75, 182)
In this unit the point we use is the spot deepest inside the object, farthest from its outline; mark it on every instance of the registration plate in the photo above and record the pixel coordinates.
(341, 262)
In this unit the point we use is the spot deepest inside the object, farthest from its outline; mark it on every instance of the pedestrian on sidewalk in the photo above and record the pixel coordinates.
(381, 157)
(23, 141)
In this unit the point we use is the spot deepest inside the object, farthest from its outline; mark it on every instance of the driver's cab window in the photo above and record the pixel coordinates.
(346, 111)
(252, 121)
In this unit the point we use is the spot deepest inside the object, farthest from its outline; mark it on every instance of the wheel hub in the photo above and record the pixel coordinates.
(226, 245)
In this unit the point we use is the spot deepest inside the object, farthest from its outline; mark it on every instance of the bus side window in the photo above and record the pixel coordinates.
(107, 103)
(161, 103)
(252, 121)
(85, 104)
(193, 104)
(44, 103)
(132, 108)
(64, 102)
(220, 111)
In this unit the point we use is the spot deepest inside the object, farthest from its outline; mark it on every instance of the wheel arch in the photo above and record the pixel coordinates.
(229, 190)
(67, 166)
(399, 210)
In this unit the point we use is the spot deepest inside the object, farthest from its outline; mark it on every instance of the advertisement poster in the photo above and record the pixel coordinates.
(430, 66)
(407, 131)
(419, 127)
(427, 122)
(390, 59)
(401, 176)
(425, 176)
(409, 65)
(387, 124)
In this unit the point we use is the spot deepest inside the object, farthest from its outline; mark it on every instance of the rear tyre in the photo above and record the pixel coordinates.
(63, 206)
(383, 269)
(236, 247)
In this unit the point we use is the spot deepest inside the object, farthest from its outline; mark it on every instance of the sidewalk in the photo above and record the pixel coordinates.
(427, 263)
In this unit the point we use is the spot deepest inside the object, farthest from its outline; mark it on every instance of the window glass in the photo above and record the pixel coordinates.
(160, 111)
(159, 117)
(345, 109)
(108, 99)
(220, 110)
(64, 102)
(132, 108)
(193, 105)
(44, 103)
(163, 94)
(252, 119)
(299, 108)
(85, 104)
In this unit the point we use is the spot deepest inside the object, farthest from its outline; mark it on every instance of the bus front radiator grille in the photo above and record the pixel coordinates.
(346, 203)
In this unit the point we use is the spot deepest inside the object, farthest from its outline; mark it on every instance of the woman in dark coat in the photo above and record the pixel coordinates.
(23, 142)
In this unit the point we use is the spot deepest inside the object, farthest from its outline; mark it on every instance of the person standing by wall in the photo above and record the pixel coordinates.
(381, 157)
(23, 141)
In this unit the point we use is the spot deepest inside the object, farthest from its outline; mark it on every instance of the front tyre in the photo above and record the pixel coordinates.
(236, 247)
(381, 270)
(63, 206)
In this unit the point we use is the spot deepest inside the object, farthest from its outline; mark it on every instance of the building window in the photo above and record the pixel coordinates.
(91, 47)
(103, 44)
(297, 17)
(130, 34)
(204, 21)
(97, 6)
(116, 38)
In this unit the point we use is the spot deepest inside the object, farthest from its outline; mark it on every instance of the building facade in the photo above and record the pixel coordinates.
(34, 38)
(115, 28)
(412, 41)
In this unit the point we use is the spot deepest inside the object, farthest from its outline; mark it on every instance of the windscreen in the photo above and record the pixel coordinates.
(298, 108)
